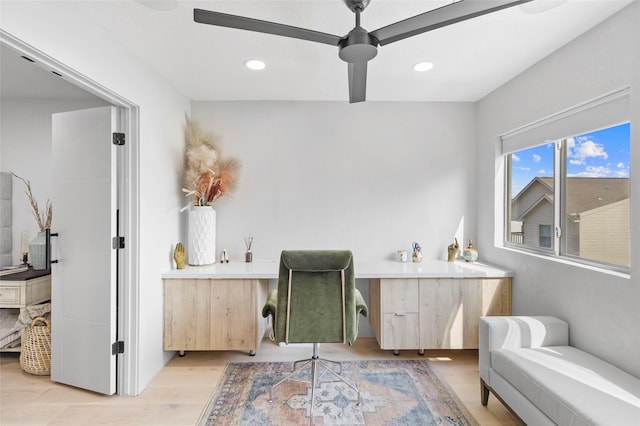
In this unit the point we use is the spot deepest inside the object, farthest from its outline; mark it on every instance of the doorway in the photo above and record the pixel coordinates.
(126, 178)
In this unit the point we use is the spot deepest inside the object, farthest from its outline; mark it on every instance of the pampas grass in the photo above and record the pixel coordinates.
(42, 218)
(208, 176)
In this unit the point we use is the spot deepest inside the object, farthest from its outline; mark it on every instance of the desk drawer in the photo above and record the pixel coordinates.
(401, 331)
(9, 296)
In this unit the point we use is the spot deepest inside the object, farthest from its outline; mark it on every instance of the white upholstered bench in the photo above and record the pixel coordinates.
(528, 364)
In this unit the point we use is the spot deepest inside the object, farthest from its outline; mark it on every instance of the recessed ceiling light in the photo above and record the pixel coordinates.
(254, 64)
(422, 66)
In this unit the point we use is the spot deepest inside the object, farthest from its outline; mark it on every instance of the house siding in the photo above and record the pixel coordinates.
(605, 233)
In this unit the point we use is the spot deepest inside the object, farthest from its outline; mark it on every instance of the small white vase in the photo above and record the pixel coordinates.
(38, 251)
(202, 235)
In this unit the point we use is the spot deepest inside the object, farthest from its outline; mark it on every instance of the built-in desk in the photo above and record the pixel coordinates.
(429, 305)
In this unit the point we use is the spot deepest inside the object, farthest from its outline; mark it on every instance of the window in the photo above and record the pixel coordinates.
(569, 196)
(545, 236)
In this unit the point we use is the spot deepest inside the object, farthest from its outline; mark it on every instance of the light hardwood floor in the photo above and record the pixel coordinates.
(179, 393)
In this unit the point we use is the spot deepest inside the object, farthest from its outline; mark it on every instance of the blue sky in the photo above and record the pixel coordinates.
(603, 153)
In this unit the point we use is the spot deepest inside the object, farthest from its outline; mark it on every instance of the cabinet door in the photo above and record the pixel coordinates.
(187, 314)
(450, 309)
(442, 313)
(488, 296)
(399, 295)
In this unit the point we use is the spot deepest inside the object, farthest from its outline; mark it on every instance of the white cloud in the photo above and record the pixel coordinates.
(587, 149)
(536, 158)
(514, 157)
(620, 165)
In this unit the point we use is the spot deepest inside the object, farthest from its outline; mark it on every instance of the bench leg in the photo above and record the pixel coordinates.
(484, 393)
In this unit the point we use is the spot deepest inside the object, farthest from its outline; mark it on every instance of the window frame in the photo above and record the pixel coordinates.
(608, 110)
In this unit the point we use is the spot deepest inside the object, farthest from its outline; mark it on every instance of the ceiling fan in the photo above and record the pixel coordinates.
(360, 46)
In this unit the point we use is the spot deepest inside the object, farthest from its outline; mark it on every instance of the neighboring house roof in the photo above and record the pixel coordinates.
(545, 198)
(546, 182)
(586, 193)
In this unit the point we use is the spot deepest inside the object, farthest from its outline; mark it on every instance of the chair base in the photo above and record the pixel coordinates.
(315, 364)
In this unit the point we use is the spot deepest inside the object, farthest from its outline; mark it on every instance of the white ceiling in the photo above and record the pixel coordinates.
(203, 62)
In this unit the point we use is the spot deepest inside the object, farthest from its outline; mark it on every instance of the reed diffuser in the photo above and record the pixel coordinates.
(248, 255)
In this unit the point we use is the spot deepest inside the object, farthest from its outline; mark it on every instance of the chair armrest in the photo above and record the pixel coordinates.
(518, 332)
(270, 305)
(361, 306)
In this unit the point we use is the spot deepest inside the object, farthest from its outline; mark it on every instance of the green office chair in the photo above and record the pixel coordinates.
(316, 302)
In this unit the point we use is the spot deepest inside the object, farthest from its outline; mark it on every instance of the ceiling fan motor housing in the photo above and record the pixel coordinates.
(358, 46)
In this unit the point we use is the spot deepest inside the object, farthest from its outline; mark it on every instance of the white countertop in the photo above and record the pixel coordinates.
(268, 269)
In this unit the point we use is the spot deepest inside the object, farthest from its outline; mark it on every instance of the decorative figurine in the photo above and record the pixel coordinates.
(470, 254)
(224, 257)
(452, 249)
(416, 256)
(179, 255)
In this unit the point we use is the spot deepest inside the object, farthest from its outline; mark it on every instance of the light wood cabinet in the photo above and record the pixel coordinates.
(434, 313)
(214, 314)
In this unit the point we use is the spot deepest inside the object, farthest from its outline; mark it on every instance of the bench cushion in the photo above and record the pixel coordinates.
(570, 386)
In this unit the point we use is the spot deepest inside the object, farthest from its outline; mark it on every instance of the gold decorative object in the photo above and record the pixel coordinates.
(179, 255)
(453, 250)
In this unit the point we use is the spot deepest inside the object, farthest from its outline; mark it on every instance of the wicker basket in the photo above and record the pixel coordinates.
(35, 355)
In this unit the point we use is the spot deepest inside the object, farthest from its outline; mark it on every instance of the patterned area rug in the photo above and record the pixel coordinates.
(393, 393)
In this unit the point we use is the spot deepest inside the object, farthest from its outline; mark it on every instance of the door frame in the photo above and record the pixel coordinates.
(128, 188)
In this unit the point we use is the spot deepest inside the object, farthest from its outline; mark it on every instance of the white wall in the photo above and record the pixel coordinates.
(62, 31)
(370, 177)
(25, 147)
(602, 309)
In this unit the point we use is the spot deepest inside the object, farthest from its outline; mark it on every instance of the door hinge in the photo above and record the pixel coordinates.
(117, 243)
(118, 138)
(117, 347)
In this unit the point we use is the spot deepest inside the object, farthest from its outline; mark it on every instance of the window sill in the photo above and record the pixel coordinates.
(566, 261)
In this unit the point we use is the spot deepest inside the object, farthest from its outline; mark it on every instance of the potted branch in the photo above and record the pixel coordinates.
(38, 247)
(208, 178)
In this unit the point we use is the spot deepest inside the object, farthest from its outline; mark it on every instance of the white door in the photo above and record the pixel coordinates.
(84, 280)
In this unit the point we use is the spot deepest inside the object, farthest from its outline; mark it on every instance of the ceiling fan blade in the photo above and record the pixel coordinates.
(242, 23)
(441, 17)
(357, 82)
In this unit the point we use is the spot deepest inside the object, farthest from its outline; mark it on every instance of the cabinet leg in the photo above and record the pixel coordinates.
(421, 352)
(396, 352)
(181, 353)
(252, 352)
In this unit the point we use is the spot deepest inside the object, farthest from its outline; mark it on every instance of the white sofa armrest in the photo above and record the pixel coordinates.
(517, 332)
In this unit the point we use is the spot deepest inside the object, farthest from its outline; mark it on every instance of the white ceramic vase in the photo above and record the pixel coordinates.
(202, 235)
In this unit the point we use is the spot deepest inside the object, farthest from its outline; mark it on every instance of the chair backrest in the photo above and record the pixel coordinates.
(316, 297)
